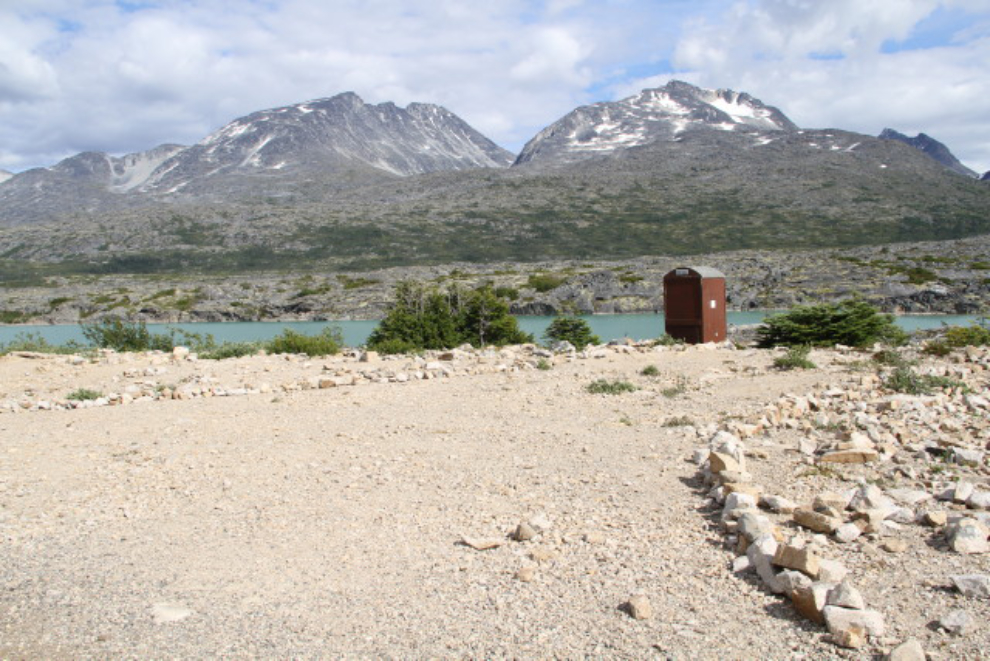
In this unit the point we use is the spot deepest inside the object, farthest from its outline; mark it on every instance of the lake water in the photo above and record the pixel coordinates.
(608, 327)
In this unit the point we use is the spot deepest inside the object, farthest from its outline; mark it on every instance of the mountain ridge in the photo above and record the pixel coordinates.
(674, 170)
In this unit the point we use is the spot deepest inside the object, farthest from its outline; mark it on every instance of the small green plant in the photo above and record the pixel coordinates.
(938, 348)
(606, 387)
(678, 421)
(83, 395)
(35, 343)
(543, 364)
(795, 358)
(890, 358)
(906, 380)
(666, 341)
(568, 328)
(679, 388)
(650, 370)
(231, 350)
(327, 343)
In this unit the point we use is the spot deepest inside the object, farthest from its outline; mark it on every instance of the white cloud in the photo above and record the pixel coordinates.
(102, 75)
(824, 64)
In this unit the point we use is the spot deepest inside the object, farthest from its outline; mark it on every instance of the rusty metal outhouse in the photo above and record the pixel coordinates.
(694, 304)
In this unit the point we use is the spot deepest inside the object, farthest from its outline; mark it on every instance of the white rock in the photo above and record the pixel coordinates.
(909, 650)
(957, 622)
(778, 504)
(973, 585)
(979, 500)
(165, 613)
(840, 619)
(846, 595)
(847, 532)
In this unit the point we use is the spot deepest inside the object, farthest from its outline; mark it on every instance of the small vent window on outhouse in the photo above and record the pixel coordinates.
(694, 304)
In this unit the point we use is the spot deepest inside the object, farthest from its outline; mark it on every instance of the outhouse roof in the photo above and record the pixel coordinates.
(704, 271)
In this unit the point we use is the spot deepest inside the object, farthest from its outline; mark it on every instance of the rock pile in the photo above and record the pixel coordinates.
(897, 450)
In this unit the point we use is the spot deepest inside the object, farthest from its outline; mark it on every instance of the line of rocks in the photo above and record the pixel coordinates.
(353, 367)
(908, 438)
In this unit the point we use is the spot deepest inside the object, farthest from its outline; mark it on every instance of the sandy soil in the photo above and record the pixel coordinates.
(328, 522)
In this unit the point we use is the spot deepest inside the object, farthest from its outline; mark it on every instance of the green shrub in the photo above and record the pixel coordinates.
(967, 336)
(508, 293)
(12, 317)
(543, 364)
(428, 318)
(544, 282)
(890, 358)
(937, 348)
(906, 380)
(83, 395)
(796, 358)
(326, 343)
(650, 370)
(666, 341)
(119, 335)
(231, 350)
(679, 388)
(678, 421)
(571, 329)
(36, 343)
(606, 387)
(852, 322)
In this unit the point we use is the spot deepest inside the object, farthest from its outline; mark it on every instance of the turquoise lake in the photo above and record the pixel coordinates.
(608, 327)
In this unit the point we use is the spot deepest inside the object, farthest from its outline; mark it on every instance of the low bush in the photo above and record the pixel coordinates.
(544, 282)
(795, 358)
(852, 322)
(120, 335)
(36, 343)
(83, 395)
(606, 387)
(967, 336)
(571, 329)
(327, 343)
(650, 370)
(231, 350)
(906, 380)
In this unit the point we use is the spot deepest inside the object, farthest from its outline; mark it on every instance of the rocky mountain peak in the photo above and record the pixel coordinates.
(932, 147)
(653, 115)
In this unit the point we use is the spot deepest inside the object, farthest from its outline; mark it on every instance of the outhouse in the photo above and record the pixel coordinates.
(694, 304)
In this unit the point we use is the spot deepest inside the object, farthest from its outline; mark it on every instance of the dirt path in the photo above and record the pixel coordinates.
(327, 523)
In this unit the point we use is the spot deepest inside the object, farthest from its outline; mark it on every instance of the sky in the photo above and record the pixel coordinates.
(124, 76)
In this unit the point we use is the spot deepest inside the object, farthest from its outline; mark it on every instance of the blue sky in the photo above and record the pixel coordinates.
(115, 76)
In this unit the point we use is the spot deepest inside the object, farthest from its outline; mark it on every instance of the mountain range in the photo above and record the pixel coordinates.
(341, 183)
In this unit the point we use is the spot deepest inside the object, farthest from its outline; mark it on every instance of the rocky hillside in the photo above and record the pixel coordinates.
(932, 147)
(341, 185)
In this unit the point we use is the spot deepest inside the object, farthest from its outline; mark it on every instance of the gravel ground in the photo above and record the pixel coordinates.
(330, 522)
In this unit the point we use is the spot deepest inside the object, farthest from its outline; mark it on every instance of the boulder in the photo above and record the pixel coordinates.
(909, 650)
(967, 536)
(839, 619)
(803, 560)
(976, 586)
(815, 521)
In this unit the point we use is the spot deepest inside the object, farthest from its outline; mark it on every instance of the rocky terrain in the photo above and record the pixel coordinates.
(484, 503)
(949, 277)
